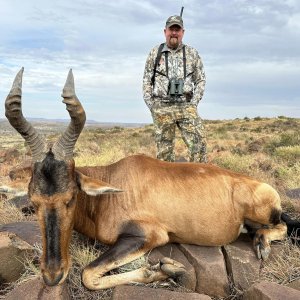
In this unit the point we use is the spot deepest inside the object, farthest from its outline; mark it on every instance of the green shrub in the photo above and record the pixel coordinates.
(289, 175)
(284, 140)
(257, 119)
(288, 153)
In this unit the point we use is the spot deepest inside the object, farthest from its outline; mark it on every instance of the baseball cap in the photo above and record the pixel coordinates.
(174, 20)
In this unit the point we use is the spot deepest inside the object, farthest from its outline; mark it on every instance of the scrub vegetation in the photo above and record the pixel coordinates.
(265, 148)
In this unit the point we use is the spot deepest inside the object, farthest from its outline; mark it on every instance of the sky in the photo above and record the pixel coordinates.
(250, 51)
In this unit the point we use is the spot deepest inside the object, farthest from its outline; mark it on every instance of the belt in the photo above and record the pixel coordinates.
(171, 101)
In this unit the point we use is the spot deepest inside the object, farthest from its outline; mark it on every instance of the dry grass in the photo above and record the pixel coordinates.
(9, 213)
(83, 251)
(267, 149)
(284, 266)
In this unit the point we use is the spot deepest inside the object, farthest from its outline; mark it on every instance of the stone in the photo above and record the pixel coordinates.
(3, 196)
(8, 155)
(242, 264)
(210, 269)
(294, 284)
(23, 204)
(293, 193)
(187, 280)
(36, 289)
(124, 292)
(28, 231)
(265, 290)
(12, 252)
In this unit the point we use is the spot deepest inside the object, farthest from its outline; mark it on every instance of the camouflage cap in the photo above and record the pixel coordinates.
(174, 20)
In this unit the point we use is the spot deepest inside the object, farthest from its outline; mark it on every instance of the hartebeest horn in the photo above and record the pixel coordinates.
(63, 148)
(13, 112)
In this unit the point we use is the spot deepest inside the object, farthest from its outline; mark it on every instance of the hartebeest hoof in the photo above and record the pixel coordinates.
(172, 267)
(262, 247)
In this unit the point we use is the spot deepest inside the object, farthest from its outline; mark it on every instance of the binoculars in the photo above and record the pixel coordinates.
(176, 87)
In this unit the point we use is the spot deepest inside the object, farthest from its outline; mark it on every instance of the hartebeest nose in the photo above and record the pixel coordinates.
(52, 278)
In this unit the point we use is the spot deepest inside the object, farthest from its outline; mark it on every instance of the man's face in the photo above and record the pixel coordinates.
(174, 35)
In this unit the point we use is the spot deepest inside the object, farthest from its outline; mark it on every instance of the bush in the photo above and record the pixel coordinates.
(289, 153)
(284, 140)
(289, 175)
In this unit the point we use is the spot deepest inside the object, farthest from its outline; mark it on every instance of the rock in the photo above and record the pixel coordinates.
(36, 290)
(3, 196)
(295, 284)
(189, 279)
(124, 292)
(293, 193)
(265, 290)
(8, 155)
(296, 205)
(277, 250)
(12, 253)
(27, 231)
(23, 204)
(210, 269)
(21, 171)
(181, 159)
(242, 264)
(20, 201)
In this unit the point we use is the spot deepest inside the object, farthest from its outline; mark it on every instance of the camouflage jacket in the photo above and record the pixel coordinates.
(194, 82)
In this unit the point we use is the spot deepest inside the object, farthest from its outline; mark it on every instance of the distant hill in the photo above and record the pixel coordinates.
(44, 121)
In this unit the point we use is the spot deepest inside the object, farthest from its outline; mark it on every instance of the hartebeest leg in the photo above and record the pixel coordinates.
(264, 236)
(135, 240)
(265, 231)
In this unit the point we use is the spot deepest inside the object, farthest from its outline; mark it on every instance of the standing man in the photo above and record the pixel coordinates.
(173, 85)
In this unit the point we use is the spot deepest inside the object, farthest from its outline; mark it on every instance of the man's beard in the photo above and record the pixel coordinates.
(174, 42)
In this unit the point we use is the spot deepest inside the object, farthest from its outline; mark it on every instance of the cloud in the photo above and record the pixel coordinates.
(250, 50)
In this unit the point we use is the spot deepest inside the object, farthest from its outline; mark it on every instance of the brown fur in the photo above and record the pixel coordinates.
(182, 198)
(164, 202)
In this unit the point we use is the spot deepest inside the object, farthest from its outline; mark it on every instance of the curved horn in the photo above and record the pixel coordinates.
(13, 112)
(63, 148)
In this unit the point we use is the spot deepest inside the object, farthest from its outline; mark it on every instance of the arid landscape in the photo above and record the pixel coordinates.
(265, 148)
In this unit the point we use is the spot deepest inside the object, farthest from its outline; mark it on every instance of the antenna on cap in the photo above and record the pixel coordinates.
(181, 11)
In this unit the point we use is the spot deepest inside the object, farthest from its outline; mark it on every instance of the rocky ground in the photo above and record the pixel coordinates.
(266, 149)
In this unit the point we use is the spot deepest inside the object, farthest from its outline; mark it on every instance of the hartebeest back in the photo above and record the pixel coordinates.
(135, 204)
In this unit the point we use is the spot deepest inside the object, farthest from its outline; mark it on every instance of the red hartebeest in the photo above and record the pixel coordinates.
(135, 204)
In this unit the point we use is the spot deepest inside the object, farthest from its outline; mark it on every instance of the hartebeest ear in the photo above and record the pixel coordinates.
(94, 187)
(18, 187)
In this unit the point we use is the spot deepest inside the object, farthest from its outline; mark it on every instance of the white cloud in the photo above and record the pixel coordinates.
(250, 49)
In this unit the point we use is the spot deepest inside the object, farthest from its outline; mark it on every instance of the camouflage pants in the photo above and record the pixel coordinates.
(186, 118)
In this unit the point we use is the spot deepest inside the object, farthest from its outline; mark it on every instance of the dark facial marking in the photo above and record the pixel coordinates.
(53, 254)
(50, 176)
(130, 240)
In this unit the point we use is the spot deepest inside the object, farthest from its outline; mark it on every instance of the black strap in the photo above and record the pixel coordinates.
(158, 56)
(167, 64)
(184, 62)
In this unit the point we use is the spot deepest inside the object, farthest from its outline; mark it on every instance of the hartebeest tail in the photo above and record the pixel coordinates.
(135, 204)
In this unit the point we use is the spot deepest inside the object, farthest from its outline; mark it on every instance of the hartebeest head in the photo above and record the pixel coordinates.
(53, 182)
